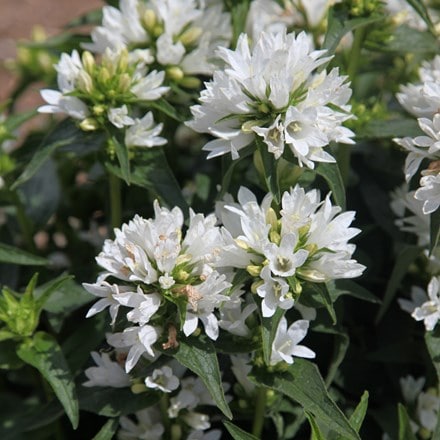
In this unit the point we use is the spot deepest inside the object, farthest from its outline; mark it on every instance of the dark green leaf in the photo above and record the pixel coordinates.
(150, 170)
(405, 431)
(8, 356)
(317, 295)
(330, 172)
(434, 230)
(432, 340)
(108, 430)
(340, 24)
(348, 287)
(269, 168)
(237, 433)
(388, 129)
(199, 356)
(46, 291)
(38, 159)
(239, 12)
(44, 354)
(403, 260)
(268, 331)
(10, 254)
(304, 384)
(114, 402)
(358, 416)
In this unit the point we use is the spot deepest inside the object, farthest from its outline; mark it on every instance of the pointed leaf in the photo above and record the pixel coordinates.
(124, 162)
(199, 356)
(403, 260)
(44, 354)
(38, 159)
(304, 384)
(108, 430)
(316, 432)
(432, 340)
(268, 162)
(237, 433)
(13, 255)
(268, 331)
(330, 172)
(405, 431)
(358, 416)
(338, 288)
(434, 232)
(165, 107)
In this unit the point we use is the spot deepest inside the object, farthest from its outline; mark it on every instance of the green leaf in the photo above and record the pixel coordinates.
(405, 431)
(43, 353)
(403, 260)
(199, 356)
(387, 129)
(237, 433)
(434, 230)
(114, 402)
(150, 170)
(330, 172)
(14, 121)
(124, 162)
(13, 255)
(268, 331)
(8, 356)
(432, 340)
(358, 416)
(316, 295)
(348, 287)
(304, 384)
(165, 107)
(316, 432)
(108, 430)
(239, 11)
(339, 24)
(38, 159)
(46, 291)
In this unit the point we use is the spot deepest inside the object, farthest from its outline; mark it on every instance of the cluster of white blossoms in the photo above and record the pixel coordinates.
(423, 100)
(100, 93)
(177, 36)
(273, 93)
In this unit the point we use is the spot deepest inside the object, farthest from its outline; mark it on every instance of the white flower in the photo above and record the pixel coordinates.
(163, 379)
(144, 133)
(119, 117)
(411, 387)
(272, 91)
(418, 297)
(58, 103)
(149, 88)
(233, 318)
(285, 345)
(275, 293)
(429, 311)
(148, 427)
(106, 374)
(429, 193)
(428, 405)
(138, 340)
(241, 369)
(196, 420)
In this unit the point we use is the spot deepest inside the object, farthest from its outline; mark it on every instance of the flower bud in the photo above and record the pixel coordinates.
(123, 60)
(85, 82)
(149, 20)
(98, 109)
(274, 237)
(124, 82)
(138, 388)
(190, 82)
(271, 218)
(241, 244)
(104, 76)
(88, 61)
(175, 73)
(253, 270)
(89, 124)
(190, 36)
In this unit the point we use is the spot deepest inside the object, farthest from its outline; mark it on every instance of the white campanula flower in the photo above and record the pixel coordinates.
(241, 368)
(107, 373)
(272, 92)
(411, 387)
(428, 405)
(163, 379)
(148, 425)
(429, 310)
(99, 94)
(233, 318)
(180, 35)
(285, 345)
(421, 147)
(429, 193)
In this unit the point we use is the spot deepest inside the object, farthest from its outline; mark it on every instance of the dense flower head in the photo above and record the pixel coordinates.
(101, 94)
(180, 35)
(273, 93)
(308, 240)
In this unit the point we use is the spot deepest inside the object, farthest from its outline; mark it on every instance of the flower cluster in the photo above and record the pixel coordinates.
(178, 36)
(272, 93)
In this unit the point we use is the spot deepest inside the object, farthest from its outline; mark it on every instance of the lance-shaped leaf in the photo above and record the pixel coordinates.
(108, 430)
(43, 353)
(268, 331)
(237, 433)
(13, 255)
(331, 174)
(303, 383)
(199, 356)
(265, 163)
(405, 431)
(434, 232)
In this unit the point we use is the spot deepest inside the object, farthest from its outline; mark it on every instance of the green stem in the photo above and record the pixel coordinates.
(115, 200)
(164, 404)
(260, 407)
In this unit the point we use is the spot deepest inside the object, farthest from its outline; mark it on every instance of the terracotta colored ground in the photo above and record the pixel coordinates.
(17, 18)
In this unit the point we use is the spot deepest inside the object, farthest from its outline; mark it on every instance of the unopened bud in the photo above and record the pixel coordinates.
(274, 237)
(175, 73)
(190, 36)
(190, 82)
(138, 388)
(89, 124)
(98, 110)
(149, 20)
(271, 218)
(312, 248)
(38, 34)
(124, 82)
(253, 270)
(123, 60)
(88, 61)
(249, 125)
(241, 244)
(85, 82)
(255, 285)
(157, 31)
(104, 76)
